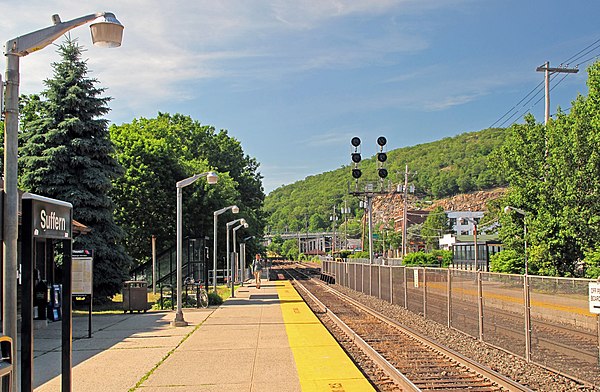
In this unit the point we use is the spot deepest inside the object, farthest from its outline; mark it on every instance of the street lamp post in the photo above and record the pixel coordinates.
(234, 261)
(228, 258)
(211, 178)
(106, 32)
(216, 214)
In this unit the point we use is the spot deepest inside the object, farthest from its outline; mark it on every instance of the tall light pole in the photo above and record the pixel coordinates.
(228, 258)
(106, 32)
(234, 261)
(211, 178)
(216, 214)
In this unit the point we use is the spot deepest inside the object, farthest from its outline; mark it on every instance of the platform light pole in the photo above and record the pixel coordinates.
(216, 214)
(227, 227)
(106, 32)
(234, 261)
(211, 178)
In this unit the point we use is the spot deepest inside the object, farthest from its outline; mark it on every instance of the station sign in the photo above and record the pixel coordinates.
(51, 218)
(594, 290)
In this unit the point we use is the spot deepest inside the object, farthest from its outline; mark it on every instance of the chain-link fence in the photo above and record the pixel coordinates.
(545, 320)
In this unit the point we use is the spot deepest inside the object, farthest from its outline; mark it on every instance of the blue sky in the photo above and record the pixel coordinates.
(294, 81)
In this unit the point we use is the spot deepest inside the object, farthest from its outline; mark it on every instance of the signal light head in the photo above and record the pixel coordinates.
(383, 173)
(381, 140)
(355, 141)
(356, 173)
(356, 158)
(382, 157)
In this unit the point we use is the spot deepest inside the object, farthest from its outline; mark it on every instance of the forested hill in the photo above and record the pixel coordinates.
(443, 168)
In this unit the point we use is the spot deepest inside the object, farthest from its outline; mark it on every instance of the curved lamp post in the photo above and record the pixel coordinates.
(107, 32)
(211, 178)
(234, 261)
(216, 214)
(227, 259)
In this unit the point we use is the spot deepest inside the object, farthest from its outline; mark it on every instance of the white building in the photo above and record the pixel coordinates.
(461, 222)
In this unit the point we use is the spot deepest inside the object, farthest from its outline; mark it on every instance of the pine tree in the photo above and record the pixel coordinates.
(67, 154)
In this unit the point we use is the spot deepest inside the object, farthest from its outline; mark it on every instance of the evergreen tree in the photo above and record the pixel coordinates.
(67, 154)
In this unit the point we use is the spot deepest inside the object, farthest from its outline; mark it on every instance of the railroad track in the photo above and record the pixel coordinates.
(409, 361)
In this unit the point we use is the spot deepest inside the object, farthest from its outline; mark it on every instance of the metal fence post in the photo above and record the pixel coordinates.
(449, 284)
(391, 284)
(527, 318)
(405, 291)
(425, 292)
(379, 281)
(480, 305)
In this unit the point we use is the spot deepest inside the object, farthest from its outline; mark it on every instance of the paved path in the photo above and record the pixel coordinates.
(262, 340)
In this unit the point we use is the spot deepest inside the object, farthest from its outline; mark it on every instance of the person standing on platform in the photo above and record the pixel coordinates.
(257, 266)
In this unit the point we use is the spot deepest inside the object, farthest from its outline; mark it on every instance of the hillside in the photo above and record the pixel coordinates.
(439, 169)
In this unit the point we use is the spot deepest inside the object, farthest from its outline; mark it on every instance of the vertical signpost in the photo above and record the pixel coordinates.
(45, 219)
(594, 300)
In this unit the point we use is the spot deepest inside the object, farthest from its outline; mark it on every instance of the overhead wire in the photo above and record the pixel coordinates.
(517, 114)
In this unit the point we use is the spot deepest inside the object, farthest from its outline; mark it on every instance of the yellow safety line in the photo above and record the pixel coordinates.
(321, 363)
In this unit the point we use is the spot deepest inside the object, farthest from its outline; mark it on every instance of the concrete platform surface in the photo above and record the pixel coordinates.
(262, 340)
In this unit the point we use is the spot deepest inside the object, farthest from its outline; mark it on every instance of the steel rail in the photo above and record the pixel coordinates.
(492, 375)
(395, 375)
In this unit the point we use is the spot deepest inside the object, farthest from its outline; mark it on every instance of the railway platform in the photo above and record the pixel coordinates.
(264, 339)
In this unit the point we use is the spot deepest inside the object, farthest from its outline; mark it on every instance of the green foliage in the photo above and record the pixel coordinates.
(434, 228)
(507, 261)
(158, 152)
(214, 299)
(66, 153)
(360, 255)
(443, 257)
(554, 175)
(420, 258)
(445, 167)
(289, 249)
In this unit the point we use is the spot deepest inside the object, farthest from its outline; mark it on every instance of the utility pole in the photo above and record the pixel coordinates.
(404, 215)
(547, 71)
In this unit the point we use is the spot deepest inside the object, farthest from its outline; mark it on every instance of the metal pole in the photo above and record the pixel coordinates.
(153, 264)
(227, 257)
(404, 214)
(547, 90)
(215, 218)
(242, 263)
(11, 128)
(370, 218)
(525, 238)
(527, 318)
(179, 321)
(480, 304)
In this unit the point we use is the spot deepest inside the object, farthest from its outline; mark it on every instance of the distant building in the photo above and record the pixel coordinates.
(461, 223)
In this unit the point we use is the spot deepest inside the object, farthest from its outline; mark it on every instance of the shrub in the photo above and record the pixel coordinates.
(507, 261)
(420, 258)
(214, 298)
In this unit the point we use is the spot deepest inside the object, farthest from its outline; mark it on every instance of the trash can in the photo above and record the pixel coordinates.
(6, 363)
(135, 296)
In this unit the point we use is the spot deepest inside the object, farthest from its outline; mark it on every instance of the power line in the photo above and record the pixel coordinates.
(518, 113)
(574, 57)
